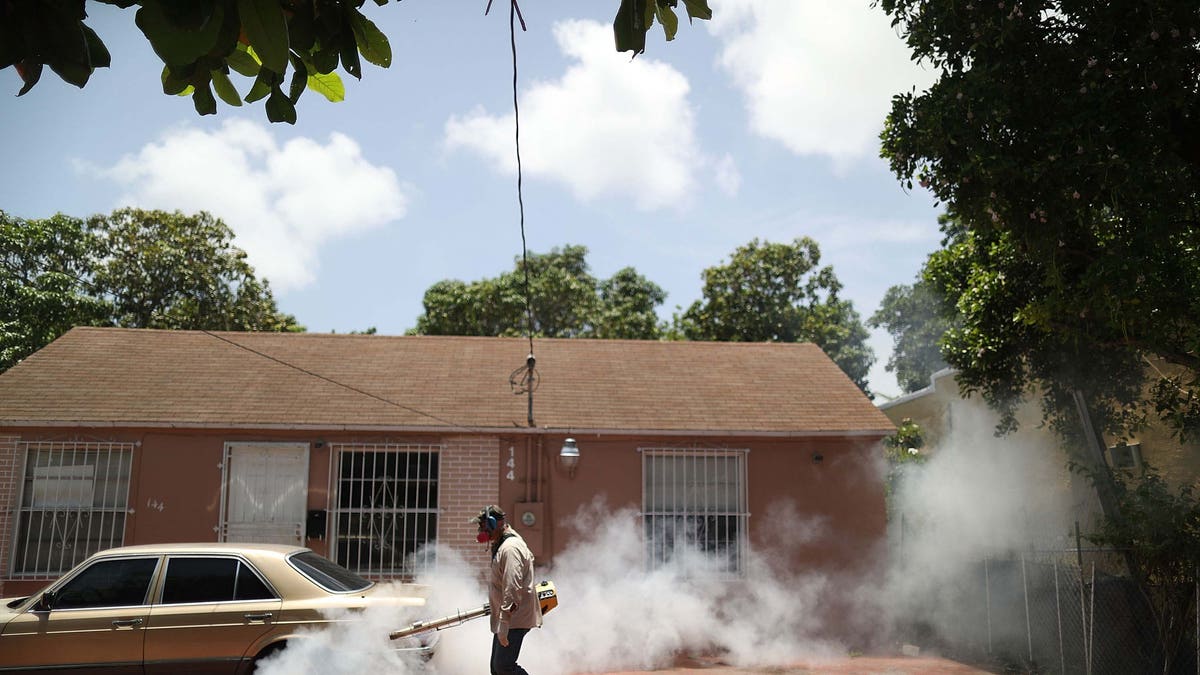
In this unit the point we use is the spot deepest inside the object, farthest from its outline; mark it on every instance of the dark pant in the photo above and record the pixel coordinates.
(504, 659)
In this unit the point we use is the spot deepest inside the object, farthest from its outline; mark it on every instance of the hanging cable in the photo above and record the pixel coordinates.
(89, 284)
(523, 380)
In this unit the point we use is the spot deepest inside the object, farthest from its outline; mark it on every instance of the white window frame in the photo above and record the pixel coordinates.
(665, 499)
(384, 510)
(85, 511)
(1126, 456)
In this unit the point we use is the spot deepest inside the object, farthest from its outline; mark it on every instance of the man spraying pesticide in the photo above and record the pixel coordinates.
(514, 603)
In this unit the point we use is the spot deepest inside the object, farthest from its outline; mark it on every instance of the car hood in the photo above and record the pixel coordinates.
(7, 612)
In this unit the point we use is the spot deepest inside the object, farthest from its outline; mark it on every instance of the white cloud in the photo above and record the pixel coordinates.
(728, 178)
(818, 76)
(284, 202)
(608, 126)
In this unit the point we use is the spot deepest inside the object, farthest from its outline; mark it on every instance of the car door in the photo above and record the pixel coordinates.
(95, 622)
(210, 610)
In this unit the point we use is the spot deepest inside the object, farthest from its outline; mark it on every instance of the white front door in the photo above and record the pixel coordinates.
(266, 491)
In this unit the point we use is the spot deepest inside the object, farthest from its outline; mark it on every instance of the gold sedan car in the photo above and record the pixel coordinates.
(184, 608)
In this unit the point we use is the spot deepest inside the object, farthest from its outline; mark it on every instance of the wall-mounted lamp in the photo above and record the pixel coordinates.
(569, 456)
(818, 458)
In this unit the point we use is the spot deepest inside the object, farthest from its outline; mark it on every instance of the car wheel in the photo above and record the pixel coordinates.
(266, 653)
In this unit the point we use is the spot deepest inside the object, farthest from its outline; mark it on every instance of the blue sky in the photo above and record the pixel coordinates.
(761, 123)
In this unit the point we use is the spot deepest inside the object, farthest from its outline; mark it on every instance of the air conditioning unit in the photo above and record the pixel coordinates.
(1126, 456)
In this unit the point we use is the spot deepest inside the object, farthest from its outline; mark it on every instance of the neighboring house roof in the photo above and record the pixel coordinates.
(133, 377)
(920, 393)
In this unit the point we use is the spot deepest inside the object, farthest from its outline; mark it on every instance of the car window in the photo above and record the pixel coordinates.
(108, 583)
(211, 579)
(328, 574)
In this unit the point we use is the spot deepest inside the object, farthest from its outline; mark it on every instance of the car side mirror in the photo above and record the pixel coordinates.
(44, 603)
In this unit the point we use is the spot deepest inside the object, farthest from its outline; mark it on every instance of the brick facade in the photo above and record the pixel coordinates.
(10, 467)
(470, 476)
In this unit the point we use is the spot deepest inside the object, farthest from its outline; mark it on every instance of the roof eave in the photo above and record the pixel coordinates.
(598, 431)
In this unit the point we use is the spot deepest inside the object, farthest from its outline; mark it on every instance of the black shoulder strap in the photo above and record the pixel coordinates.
(496, 546)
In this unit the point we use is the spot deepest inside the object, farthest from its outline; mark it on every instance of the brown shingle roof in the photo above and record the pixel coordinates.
(130, 377)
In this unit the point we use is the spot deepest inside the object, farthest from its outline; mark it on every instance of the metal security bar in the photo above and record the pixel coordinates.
(74, 498)
(695, 500)
(385, 507)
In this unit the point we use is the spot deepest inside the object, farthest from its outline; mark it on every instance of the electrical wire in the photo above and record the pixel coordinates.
(97, 291)
(343, 385)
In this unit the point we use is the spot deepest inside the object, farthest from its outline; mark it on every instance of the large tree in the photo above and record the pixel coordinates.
(44, 268)
(1065, 138)
(567, 301)
(170, 270)
(773, 292)
(914, 315)
(133, 268)
(282, 46)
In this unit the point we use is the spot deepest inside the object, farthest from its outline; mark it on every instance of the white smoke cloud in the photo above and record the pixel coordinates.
(978, 497)
(613, 613)
(616, 614)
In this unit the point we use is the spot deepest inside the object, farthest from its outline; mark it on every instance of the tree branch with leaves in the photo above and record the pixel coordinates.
(281, 47)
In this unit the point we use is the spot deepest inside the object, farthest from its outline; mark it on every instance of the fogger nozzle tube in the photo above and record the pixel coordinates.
(438, 624)
(547, 596)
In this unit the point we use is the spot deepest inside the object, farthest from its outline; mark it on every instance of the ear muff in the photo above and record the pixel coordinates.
(487, 525)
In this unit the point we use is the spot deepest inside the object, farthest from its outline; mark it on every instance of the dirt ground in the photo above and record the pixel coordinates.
(859, 665)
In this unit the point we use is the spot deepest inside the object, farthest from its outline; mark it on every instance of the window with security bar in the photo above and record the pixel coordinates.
(385, 513)
(694, 500)
(74, 499)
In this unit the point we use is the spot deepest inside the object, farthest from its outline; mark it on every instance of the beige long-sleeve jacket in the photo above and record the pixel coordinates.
(511, 591)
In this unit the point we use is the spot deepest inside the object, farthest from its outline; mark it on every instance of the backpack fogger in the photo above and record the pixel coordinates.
(546, 594)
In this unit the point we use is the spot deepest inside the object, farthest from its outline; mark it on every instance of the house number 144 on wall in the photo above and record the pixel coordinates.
(511, 464)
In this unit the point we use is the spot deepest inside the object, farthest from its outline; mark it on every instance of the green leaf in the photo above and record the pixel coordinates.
(172, 84)
(97, 53)
(666, 17)
(266, 29)
(172, 44)
(328, 85)
(71, 72)
(348, 51)
(629, 27)
(324, 60)
(243, 61)
(280, 108)
(12, 43)
(301, 29)
(225, 89)
(202, 99)
(698, 9)
(261, 87)
(299, 79)
(188, 15)
(30, 72)
(372, 43)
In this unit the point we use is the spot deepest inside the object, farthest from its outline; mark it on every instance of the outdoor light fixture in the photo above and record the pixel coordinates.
(569, 456)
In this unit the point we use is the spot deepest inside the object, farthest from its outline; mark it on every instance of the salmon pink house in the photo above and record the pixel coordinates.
(369, 448)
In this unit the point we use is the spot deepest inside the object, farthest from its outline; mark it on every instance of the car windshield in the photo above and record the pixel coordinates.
(328, 574)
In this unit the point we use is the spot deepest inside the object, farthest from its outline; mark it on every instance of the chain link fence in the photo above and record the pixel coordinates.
(1066, 612)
